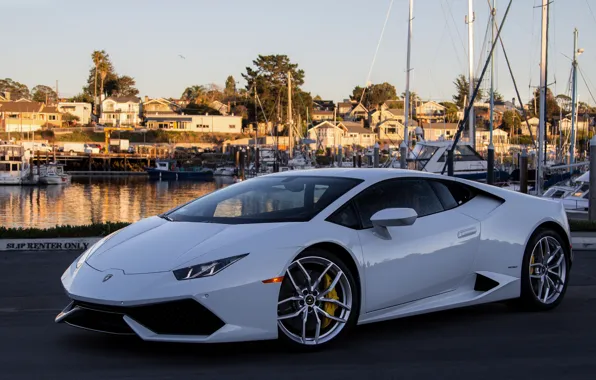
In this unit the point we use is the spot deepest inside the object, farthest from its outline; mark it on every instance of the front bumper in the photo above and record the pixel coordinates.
(157, 307)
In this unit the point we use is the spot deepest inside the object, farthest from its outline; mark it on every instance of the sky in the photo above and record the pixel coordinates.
(333, 41)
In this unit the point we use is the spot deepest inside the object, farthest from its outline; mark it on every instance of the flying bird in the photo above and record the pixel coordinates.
(181, 56)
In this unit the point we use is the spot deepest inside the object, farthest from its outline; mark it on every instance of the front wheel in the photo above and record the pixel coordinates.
(318, 300)
(545, 272)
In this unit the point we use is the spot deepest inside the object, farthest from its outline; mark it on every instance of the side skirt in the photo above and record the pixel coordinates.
(479, 288)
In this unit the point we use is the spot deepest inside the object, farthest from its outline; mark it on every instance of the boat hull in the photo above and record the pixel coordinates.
(179, 175)
(62, 180)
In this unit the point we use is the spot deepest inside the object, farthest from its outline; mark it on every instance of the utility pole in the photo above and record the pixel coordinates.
(404, 144)
(573, 101)
(290, 134)
(541, 127)
(490, 174)
(471, 118)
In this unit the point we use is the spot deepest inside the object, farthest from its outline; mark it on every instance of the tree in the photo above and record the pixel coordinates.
(44, 94)
(82, 97)
(103, 69)
(192, 94)
(512, 122)
(113, 85)
(318, 97)
(552, 108)
(451, 111)
(199, 109)
(69, 119)
(230, 89)
(126, 87)
(270, 77)
(97, 57)
(462, 90)
(17, 90)
(374, 95)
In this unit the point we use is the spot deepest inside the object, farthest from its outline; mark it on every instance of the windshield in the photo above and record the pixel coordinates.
(266, 200)
(424, 156)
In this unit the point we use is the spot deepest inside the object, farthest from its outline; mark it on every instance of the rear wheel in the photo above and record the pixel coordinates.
(318, 300)
(545, 272)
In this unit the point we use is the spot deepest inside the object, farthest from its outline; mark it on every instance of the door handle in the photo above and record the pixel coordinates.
(467, 232)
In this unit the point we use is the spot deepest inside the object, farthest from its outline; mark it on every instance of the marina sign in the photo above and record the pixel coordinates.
(74, 244)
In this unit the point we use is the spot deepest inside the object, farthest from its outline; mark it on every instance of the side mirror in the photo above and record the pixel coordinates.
(392, 217)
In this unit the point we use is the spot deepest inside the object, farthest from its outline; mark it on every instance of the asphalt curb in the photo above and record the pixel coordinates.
(579, 243)
(49, 244)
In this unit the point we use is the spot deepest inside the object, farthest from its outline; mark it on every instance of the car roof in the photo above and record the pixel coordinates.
(366, 174)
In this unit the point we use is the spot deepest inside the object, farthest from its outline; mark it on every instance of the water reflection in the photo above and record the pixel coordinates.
(96, 199)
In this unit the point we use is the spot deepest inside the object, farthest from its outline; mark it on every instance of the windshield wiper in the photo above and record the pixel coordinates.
(163, 216)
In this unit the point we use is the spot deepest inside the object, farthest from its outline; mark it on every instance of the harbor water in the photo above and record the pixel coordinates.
(96, 200)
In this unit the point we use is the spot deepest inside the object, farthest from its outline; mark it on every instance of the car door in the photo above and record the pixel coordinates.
(427, 258)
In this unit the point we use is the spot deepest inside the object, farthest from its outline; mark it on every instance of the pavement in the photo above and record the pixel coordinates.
(489, 341)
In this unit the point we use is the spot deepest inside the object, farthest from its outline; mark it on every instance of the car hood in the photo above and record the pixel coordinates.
(156, 245)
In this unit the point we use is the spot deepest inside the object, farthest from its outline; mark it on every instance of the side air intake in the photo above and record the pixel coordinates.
(484, 284)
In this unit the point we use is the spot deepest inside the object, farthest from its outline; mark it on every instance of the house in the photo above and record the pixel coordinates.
(27, 116)
(534, 123)
(430, 111)
(357, 112)
(344, 108)
(394, 115)
(438, 131)
(79, 109)
(357, 135)
(328, 134)
(323, 105)
(195, 123)
(580, 125)
(121, 110)
(318, 115)
(159, 106)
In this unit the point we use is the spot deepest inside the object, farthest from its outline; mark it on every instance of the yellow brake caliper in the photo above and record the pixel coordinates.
(531, 263)
(329, 307)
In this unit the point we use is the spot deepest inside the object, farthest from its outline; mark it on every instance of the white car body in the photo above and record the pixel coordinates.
(432, 265)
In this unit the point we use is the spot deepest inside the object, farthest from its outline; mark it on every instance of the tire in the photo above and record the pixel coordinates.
(341, 289)
(530, 284)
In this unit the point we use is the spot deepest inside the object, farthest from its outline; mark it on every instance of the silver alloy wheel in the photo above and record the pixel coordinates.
(548, 270)
(309, 312)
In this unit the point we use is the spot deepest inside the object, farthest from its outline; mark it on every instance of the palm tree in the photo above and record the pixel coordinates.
(97, 57)
(103, 69)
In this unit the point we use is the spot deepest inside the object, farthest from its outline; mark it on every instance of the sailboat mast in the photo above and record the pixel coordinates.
(405, 144)
(573, 101)
(471, 119)
(490, 175)
(541, 127)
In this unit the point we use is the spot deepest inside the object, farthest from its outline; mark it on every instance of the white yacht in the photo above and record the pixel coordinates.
(574, 194)
(14, 165)
(53, 174)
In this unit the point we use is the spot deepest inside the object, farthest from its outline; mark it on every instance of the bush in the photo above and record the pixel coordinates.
(66, 231)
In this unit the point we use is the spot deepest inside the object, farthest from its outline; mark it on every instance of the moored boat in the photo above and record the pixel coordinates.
(53, 174)
(15, 168)
(169, 170)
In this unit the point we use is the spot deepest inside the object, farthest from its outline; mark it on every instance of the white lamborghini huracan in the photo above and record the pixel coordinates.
(305, 255)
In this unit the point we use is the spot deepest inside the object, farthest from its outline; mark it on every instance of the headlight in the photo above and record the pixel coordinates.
(207, 269)
(87, 254)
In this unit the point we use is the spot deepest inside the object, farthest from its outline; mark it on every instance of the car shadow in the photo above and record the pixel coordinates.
(264, 351)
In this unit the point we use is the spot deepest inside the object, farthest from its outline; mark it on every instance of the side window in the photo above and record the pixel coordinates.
(346, 216)
(445, 196)
(400, 193)
(461, 193)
